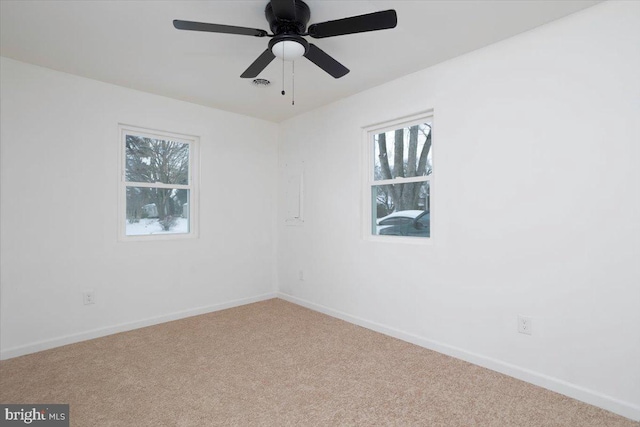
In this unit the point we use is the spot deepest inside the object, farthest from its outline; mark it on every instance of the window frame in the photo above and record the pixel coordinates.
(368, 181)
(193, 185)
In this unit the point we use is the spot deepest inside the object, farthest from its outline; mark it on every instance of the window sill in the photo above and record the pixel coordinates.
(421, 241)
(156, 237)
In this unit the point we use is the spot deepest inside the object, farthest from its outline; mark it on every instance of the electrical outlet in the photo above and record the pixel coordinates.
(89, 297)
(525, 325)
(301, 275)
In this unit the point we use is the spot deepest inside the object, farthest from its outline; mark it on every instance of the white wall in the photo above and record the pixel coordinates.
(60, 142)
(536, 209)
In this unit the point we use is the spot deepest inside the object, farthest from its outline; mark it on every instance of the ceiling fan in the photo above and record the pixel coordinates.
(288, 21)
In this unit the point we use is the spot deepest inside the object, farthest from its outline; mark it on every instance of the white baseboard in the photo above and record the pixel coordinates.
(123, 327)
(626, 409)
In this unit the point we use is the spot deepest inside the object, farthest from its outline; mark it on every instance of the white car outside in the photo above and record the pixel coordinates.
(409, 214)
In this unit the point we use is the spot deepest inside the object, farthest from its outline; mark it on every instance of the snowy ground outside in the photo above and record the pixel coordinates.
(151, 226)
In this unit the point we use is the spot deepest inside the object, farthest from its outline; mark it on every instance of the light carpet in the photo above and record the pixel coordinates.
(274, 363)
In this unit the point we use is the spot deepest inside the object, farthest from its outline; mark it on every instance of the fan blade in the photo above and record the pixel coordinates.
(355, 24)
(326, 62)
(258, 65)
(217, 28)
(284, 9)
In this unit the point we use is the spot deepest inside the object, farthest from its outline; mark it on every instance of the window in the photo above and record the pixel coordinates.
(158, 190)
(399, 169)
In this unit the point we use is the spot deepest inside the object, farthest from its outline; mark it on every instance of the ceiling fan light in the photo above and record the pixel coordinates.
(289, 50)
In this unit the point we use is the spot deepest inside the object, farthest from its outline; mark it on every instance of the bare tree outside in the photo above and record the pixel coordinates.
(149, 160)
(402, 153)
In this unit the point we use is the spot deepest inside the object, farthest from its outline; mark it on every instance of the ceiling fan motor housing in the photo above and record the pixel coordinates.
(296, 25)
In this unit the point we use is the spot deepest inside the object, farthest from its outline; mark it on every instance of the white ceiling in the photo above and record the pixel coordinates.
(133, 44)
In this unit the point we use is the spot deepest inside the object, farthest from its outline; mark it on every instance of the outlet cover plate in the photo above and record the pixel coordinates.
(525, 325)
(89, 297)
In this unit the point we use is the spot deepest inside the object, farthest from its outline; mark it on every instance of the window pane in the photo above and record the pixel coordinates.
(401, 210)
(157, 211)
(404, 152)
(156, 160)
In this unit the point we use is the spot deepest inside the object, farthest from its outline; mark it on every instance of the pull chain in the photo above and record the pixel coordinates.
(293, 82)
(282, 70)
